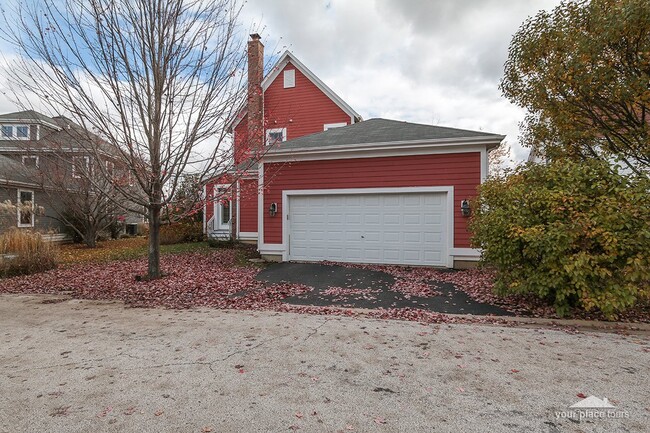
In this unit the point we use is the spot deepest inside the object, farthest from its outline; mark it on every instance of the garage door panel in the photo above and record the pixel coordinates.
(406, 228)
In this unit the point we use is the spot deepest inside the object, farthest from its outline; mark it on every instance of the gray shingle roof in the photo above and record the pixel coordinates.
(28, 115)
(381, 131)
(13, 171)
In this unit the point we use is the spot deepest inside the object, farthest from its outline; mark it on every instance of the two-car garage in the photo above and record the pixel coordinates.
(388, 226)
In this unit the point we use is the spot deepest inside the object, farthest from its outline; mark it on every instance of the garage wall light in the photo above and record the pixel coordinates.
(464, 208)
(273, 209)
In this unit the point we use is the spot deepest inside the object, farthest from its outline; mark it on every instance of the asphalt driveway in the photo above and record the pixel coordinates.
(374, 290)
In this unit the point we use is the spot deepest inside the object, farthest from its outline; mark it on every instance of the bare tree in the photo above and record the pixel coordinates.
(156, 79)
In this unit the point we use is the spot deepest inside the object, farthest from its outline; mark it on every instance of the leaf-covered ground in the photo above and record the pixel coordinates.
(197, 276)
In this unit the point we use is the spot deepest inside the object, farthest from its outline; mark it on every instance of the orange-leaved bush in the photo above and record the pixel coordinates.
(576, 234)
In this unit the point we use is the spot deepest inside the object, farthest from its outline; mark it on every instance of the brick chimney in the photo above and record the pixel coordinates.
(255, 102)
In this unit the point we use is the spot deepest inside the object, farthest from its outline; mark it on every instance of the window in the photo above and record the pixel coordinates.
(289, 78)
(30, 161)
(333, 125)
(25, 208)
(225, 212)
(222, 207)
(110, 168)
(7, 131)
(276, 135)
(80, 165)
(19, 132)
(22, 132)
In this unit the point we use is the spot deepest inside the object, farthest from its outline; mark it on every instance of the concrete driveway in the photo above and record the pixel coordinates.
(81, 366)
(324, 276)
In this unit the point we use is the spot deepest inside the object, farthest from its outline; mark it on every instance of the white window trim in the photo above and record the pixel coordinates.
(289, 78)
(14, 132)
(6, 137)
(218, 206)
(110, 171)
(25, 157)
(334, 125)
(74, 165)
(19, 204)
(275, 131)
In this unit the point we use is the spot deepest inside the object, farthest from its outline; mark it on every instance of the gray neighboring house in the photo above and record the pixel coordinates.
(27, 142)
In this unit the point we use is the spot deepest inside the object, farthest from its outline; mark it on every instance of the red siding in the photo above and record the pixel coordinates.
(460, 170)
(302, 109)
(241, 141)
(248, 205)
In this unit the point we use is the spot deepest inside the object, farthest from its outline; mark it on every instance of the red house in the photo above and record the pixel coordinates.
(313, 182)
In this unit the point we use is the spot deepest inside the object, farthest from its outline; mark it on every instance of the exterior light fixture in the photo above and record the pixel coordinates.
(273, 209)
(464, 208)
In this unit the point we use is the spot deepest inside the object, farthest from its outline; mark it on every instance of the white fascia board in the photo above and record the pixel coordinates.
(288, 57)
(374, 151)
(230, 126)
(18, 184)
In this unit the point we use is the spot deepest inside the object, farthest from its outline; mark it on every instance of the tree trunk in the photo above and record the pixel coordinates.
(90, 238)
(154, 242)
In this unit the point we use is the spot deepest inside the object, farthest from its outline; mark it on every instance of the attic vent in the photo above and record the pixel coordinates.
(289, 78)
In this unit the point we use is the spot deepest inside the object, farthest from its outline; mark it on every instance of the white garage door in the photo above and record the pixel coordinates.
(399, 228)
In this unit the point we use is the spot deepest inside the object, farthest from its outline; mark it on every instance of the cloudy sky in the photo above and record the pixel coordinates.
(429, 61)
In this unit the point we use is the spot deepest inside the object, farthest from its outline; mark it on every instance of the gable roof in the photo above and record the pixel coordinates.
(286, 58)
(378, 131)
(29, 116)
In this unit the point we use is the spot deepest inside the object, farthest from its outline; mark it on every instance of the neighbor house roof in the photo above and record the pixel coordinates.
(62, 134)
(377, 131)
(29, 116)
(14, 173)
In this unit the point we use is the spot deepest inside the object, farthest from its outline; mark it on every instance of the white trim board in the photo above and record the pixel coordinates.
(248, 236)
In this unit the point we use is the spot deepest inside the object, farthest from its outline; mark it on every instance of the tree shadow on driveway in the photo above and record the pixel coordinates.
(339, 286)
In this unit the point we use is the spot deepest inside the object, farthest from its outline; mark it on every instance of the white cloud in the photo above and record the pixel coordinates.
(436, 62)
(421, 61)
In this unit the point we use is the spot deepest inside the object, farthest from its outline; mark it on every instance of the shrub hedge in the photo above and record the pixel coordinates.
(576, 234)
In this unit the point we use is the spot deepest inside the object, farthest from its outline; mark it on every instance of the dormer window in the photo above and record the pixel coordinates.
(7, 131)
(14, 132)
(276, 135)
(22, 132)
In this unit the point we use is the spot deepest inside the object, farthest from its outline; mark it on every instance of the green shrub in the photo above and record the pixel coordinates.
(25, 252)
(177, 233)
(574, 234)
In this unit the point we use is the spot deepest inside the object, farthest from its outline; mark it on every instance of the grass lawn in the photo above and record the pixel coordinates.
(121, 249)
